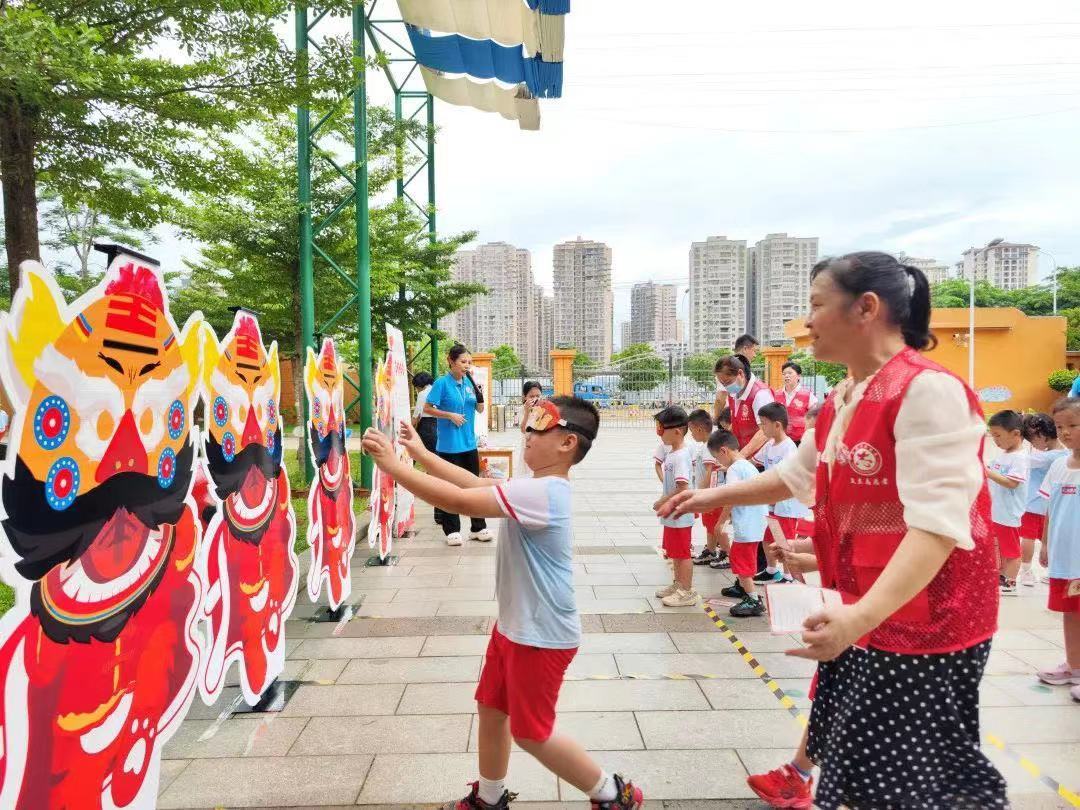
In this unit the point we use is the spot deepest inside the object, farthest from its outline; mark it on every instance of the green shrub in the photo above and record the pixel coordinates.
(1061, 380)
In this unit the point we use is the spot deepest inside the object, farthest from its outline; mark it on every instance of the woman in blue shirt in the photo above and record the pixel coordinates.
(454, 400)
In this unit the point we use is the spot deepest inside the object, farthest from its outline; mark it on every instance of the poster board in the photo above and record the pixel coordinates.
(480, 425)
(404, 501)
(99, 537)
(383, 487)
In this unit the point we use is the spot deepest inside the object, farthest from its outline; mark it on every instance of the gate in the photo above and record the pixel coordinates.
(628, 394)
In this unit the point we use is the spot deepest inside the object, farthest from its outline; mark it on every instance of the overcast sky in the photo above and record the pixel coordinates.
(927, 127)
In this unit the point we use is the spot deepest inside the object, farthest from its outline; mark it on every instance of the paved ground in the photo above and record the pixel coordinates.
(384, 716)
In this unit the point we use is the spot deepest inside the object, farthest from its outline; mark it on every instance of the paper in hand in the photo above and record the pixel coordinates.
(793, 603)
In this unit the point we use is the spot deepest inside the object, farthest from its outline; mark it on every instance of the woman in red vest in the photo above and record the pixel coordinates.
(797, 399)
(746, 396)
(902, 531)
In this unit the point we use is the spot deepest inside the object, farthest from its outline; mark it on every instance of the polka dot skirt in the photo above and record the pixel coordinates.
(891, 730)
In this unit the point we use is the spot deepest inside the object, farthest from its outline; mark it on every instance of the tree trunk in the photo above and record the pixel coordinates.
(17, 143)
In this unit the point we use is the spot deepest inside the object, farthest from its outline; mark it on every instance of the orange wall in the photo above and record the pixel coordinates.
(1012, 351)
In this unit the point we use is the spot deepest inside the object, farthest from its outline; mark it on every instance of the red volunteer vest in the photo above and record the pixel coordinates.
(743, 419)
(859, 522)
(796, 411)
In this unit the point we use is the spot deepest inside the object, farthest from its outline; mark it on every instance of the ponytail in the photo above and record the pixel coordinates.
(916, 328)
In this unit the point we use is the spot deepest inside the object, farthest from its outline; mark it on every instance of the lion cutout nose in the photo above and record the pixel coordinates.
(332, 423)
(252, 434)
(125, 453)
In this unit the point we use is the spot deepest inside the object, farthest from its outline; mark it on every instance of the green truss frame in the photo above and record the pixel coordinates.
(395, 60)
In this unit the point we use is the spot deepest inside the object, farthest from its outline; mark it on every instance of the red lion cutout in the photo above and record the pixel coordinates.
(100, 653)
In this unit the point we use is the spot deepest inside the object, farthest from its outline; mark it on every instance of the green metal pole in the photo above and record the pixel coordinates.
(303, 169)
(399, 171)
(363, 232)
(431, 219)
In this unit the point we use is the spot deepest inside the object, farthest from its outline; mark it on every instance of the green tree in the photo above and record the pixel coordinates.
(640, 368)
(583, 366)
(811, 366)
(506, 365)
(1072, 328)
(89, 86)
(700, 367)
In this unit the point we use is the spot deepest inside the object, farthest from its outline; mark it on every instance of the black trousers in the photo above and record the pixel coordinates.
(428, 432)
(469, 460)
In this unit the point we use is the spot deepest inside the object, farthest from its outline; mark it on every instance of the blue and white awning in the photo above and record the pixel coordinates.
(515, 46)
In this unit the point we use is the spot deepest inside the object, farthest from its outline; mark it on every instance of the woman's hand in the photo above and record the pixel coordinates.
(797, 562)
(689, 501)
(457, 419)
(831, 631)
(380, 448)
(1044, 555)
(410, 441)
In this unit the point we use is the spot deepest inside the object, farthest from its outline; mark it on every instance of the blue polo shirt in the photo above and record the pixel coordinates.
(447, 394)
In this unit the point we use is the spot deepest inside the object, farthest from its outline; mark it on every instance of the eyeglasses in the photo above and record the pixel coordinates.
(545, 416)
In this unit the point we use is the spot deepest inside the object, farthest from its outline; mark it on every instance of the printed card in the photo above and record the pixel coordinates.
(791, 604)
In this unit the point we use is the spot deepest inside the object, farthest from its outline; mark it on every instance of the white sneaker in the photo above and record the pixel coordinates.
(482, 536)
(661, 593)
(453, 539)
(681, 598)
(1027, 577)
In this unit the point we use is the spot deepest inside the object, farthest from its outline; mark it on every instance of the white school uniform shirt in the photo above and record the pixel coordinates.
(770, 456)
(1061, 489)
(1040, 462)
(1007, 505)
(747, 522)
(677, 469)
(938, 470)
(703, 464)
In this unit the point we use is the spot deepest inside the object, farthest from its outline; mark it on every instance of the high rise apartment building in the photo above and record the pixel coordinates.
(584, 302)
(1008, 265)
(507, 313)
(545, 329)
(653, 313)
(718, 293)
(624, 335)
(780, 284)
(935, 271)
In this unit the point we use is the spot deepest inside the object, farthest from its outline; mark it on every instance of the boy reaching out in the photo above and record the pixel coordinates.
(538, 629)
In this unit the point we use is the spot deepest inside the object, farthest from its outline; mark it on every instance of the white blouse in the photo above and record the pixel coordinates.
(938, 471)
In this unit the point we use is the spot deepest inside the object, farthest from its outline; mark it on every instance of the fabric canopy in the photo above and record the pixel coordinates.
(514, 104)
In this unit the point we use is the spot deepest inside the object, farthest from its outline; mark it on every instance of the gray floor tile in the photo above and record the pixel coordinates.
(621, 696)
(451, 595)
(484, 608)
(385, 735)
(1033, 724)
(1009, 640)
(170, 769)
(454, 645)
(672, 775)
(626, 643)
(605, 579)
(584, 666)
(267, 782)
(262, 735)
(738, 693)
(612, 606)
(711, 641)
(399, 609)
(386, 647)
(438, 698)
(616, 731)
(402, 778)
(341, 700)
(440, 669)
(707, 729)
(657, 623)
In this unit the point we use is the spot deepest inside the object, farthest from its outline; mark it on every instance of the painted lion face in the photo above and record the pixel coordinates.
(243, 441)
(325, 384)
(104, 390)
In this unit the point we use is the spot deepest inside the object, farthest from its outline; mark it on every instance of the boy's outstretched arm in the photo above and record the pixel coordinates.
(476, 501)
(439, 467)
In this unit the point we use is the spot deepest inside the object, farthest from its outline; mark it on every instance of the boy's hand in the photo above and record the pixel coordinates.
(410, 441)
(1044, 555)
(380, 448)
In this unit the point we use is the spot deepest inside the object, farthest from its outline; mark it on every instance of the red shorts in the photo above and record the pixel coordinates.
(805, 528)
(1059, 600)
(676, 542)
(743, 558)
(1008, 540)
(1031, 526)
(788, 525)
(523, 683)
(710, 519)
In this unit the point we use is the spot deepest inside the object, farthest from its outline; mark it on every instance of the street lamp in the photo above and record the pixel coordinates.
(1054, 279)
(971, 316)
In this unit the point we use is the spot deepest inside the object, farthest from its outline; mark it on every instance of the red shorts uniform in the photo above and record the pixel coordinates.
(788, 526)
(743, 558)
(710, 519)
(676, 542)
(805, 528)
(1031, 526)
(523, 683)
(1060, 600)
(1008, 540)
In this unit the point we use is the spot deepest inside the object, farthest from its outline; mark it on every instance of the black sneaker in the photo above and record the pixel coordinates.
(627, 797)
(749, 606)
(474, 802)
(764, 576)
(734, 591)
(720, 562)
(706, 556)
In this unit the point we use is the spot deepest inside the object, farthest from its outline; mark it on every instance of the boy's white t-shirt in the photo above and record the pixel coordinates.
(703, 464)
(1007, 505)
(1061, 488)
(534, 575)
(1040, 462)
(770, 455)
(677, 468)
(747, 522)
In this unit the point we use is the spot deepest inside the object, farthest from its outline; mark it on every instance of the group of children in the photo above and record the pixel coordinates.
(1035, 499)
(695, 453)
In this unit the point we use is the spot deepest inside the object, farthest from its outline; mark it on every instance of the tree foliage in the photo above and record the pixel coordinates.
(583, 366)
(700, 367)
(1061, 380)
(506, 365)
(640, 368)
(811, 366)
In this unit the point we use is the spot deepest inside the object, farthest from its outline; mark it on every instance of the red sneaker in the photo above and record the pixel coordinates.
(474, 802)
(782, 788)
(627, 797)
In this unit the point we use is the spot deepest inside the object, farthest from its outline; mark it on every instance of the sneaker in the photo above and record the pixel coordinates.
(783, 787)
(734, 591)
(765, 577)
(1074, 693)
(681, 598)
(751, 605)
(1008, 587)
(482, 536)
(474, 802)
(453, 539)
(1060, 676)
(706, 556)
(627, 797)
(1027, 578)
(1044, 578)
(663, 593)
(721, 562)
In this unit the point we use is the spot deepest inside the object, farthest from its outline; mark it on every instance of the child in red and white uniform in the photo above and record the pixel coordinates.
(1061, 543)
(676, 474)
(1040, 432)
(1008, 475)
(705, 476)
(789, 511)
